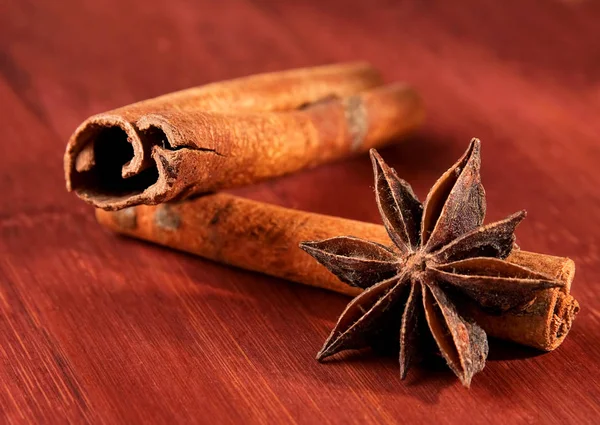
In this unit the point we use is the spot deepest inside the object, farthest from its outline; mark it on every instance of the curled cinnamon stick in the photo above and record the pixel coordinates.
(264, 238)
(233, 133)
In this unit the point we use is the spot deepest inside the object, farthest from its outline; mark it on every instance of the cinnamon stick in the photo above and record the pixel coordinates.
(264, 238)
(235, 132)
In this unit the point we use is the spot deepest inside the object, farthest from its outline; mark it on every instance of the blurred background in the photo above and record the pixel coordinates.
(90, 319)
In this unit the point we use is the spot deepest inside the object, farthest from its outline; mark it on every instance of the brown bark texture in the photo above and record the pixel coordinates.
(264, 238)
(235, 132)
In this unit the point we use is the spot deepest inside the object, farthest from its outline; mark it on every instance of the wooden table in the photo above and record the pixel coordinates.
(100, 329)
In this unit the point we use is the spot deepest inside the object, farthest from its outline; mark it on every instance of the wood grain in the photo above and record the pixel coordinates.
(100, 329)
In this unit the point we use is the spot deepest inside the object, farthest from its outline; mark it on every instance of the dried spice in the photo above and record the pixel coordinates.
(442, 257)
(232, 133)
(264, 237)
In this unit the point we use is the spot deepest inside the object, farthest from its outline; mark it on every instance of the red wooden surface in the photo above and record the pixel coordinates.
(100, 329)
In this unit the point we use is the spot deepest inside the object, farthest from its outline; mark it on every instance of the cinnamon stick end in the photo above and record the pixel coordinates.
(565, 310)
(107, 165)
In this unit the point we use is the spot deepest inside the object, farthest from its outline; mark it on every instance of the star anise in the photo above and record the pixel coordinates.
(441, 256)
